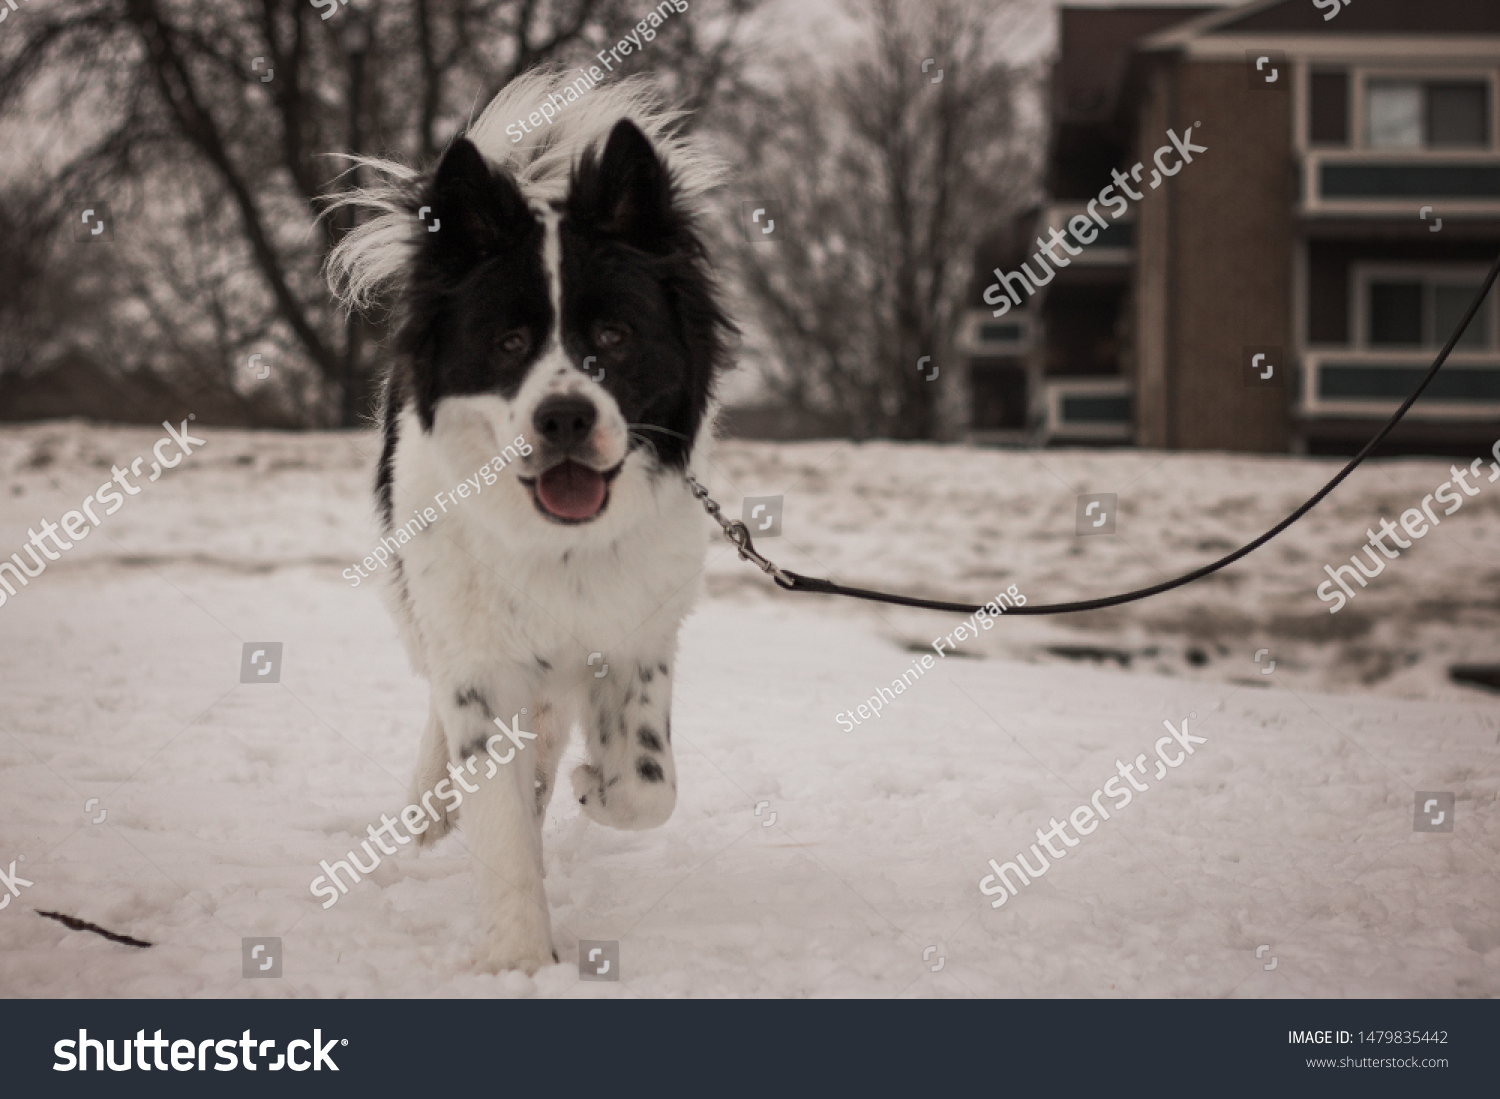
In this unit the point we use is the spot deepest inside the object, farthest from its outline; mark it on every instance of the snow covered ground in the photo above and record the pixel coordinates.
(1291, 828)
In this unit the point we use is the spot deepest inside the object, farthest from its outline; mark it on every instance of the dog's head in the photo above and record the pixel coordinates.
(586, 325)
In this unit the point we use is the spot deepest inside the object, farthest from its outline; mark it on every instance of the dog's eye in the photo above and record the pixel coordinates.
(513, 343)
(611, 335)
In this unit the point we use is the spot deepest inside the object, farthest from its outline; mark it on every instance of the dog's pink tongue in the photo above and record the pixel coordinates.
(571, 491)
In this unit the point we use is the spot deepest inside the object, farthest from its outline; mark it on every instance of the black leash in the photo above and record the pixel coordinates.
(739, 534)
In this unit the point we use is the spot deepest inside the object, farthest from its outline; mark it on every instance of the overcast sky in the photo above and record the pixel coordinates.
(1033, 33)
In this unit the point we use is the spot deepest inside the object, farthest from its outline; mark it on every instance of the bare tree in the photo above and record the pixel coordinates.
(206, 126)
(887, 171)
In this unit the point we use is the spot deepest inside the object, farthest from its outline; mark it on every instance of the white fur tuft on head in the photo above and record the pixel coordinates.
(372, 259)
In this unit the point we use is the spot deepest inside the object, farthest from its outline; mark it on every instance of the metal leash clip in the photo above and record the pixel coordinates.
(737, 533)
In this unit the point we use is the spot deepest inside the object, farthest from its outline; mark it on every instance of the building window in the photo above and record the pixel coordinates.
(1328, 111)
(982, 336)
(1426, 114)
(1416, 307)
(998, 396)
(1004, 335)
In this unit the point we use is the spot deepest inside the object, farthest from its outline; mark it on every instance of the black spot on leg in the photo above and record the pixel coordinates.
(645, 673)
(630, 696)
(546, 665)
(662, 668)
(603, 736)
(611, 782)
(669, 730)
(645, 699)
(474, 748)
(648, 738)
(472, 697)
(566, 555)
(649, 770)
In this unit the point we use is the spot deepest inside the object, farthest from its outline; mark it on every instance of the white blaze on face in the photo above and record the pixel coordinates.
(573, 489)
(552, 260)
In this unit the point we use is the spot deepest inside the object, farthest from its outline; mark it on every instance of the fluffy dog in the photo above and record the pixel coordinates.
(556, 291)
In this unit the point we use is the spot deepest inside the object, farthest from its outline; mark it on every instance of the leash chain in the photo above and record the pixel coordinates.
(738, 534)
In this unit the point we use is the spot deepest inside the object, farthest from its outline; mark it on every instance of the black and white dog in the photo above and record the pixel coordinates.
(554, 290)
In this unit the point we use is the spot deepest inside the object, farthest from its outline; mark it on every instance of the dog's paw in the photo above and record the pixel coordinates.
(588, 788)
(498, 953)
(628, 806)
(436, 829)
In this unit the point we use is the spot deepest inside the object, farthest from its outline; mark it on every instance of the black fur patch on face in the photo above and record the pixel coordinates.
(649, 769)
(638, 294)
(475, 312)
(648, 738)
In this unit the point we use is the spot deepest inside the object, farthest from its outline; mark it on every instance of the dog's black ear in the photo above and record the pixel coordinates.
(475, 211)
(627, 192)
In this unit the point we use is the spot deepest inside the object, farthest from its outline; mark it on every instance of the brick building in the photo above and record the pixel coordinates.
(1286, 288)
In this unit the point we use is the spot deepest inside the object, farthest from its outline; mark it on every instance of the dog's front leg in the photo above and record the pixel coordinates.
(432, 761)
(494, 766)
(630, 781)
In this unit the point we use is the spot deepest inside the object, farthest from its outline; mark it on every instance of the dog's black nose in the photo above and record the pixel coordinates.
(564, 422)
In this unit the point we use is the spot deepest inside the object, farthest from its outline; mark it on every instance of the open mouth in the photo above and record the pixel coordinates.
(571, 492)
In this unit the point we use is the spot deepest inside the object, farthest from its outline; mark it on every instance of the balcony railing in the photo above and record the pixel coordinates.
(1113, 247)
(1374, 383)
(1089, 410)
(980, 333)
(1370, 181)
